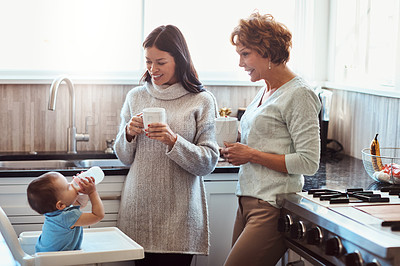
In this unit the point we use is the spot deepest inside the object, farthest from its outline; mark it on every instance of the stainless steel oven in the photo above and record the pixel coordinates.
(354, 227)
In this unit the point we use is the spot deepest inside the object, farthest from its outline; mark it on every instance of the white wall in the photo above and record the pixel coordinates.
(356, 117)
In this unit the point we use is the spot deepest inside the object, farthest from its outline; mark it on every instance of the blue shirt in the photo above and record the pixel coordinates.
(57, 234)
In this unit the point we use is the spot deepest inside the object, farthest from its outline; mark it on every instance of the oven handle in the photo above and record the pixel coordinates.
(306, 254)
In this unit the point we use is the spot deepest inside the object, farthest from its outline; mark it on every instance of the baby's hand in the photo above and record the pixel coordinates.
(87, 186)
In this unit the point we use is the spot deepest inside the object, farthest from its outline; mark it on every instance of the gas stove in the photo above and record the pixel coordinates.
(351, 227)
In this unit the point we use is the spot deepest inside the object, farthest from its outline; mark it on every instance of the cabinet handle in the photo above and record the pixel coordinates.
(110, 197)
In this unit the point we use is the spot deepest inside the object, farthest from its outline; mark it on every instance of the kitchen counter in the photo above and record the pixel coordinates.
(340, 172)
(337, 171)
(222, 166)
(60, 155)
(67, 171)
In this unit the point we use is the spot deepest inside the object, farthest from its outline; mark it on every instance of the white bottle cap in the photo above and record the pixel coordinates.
(94, 172)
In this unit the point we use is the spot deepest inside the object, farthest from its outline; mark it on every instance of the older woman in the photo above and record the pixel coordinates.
(279, 140)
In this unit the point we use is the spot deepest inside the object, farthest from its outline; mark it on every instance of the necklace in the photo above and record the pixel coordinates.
(266, 94)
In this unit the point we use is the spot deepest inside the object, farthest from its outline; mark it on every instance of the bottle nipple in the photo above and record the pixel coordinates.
(75, 182)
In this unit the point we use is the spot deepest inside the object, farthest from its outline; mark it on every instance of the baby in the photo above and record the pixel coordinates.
(51, 194)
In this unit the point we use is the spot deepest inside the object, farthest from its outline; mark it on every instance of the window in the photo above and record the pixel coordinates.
(207, 25)
(350, 42)
(94, 39)
(366, 42)
(88, 37)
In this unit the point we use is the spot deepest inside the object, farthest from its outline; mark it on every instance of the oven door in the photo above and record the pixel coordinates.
(309, 256)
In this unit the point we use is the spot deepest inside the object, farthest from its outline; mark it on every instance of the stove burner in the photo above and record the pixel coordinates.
(394, 225)
(352, 195)
(391, 190)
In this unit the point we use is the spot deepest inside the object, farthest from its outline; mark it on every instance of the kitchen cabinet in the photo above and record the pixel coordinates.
(222, 206)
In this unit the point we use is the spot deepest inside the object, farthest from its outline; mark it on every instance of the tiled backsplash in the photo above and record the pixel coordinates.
(27, 125)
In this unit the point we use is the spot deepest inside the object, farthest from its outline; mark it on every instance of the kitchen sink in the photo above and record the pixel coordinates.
(37, 164)
(99, 162)
(60, 164)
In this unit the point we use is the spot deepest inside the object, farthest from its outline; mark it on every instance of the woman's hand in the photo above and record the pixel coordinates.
(134, 127)
(237, 153)
(161, 132)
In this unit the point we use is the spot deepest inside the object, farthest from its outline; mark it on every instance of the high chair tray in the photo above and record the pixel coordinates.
(99, 245)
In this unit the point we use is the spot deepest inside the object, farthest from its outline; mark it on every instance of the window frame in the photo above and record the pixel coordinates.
(392, 91)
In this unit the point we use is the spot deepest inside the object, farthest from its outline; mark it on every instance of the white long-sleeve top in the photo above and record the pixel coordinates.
(286, 123)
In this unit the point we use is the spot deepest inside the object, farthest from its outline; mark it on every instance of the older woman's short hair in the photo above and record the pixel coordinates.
(264, 34)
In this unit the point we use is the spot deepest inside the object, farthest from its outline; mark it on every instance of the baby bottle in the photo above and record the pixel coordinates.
(94, 172)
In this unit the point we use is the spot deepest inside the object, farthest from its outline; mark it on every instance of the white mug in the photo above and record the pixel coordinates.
(154, 115)
(226, 129)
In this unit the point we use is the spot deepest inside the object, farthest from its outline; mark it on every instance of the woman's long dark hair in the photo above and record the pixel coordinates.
(170, 39)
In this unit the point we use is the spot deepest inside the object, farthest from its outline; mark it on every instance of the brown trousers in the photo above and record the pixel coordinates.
(256, 240)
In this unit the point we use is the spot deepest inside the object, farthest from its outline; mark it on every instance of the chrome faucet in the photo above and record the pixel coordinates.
(72, 136)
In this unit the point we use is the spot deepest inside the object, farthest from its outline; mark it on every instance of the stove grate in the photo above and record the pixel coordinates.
(352, 195)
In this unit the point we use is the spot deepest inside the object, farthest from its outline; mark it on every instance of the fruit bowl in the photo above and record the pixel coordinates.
(384, 168)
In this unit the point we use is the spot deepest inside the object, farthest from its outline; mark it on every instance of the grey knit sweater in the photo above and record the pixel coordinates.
(163, 205)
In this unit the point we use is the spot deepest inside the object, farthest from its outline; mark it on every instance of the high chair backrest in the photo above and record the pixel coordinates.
(8, 232)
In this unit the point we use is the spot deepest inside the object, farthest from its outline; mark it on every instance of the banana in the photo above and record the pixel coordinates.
(374, 149)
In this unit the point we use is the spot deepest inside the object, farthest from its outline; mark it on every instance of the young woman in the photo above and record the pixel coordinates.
(163, 205)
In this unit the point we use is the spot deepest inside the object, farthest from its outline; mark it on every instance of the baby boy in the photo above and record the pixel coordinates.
(51, 194)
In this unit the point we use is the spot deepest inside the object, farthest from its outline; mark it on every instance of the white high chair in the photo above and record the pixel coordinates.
(99, 245)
